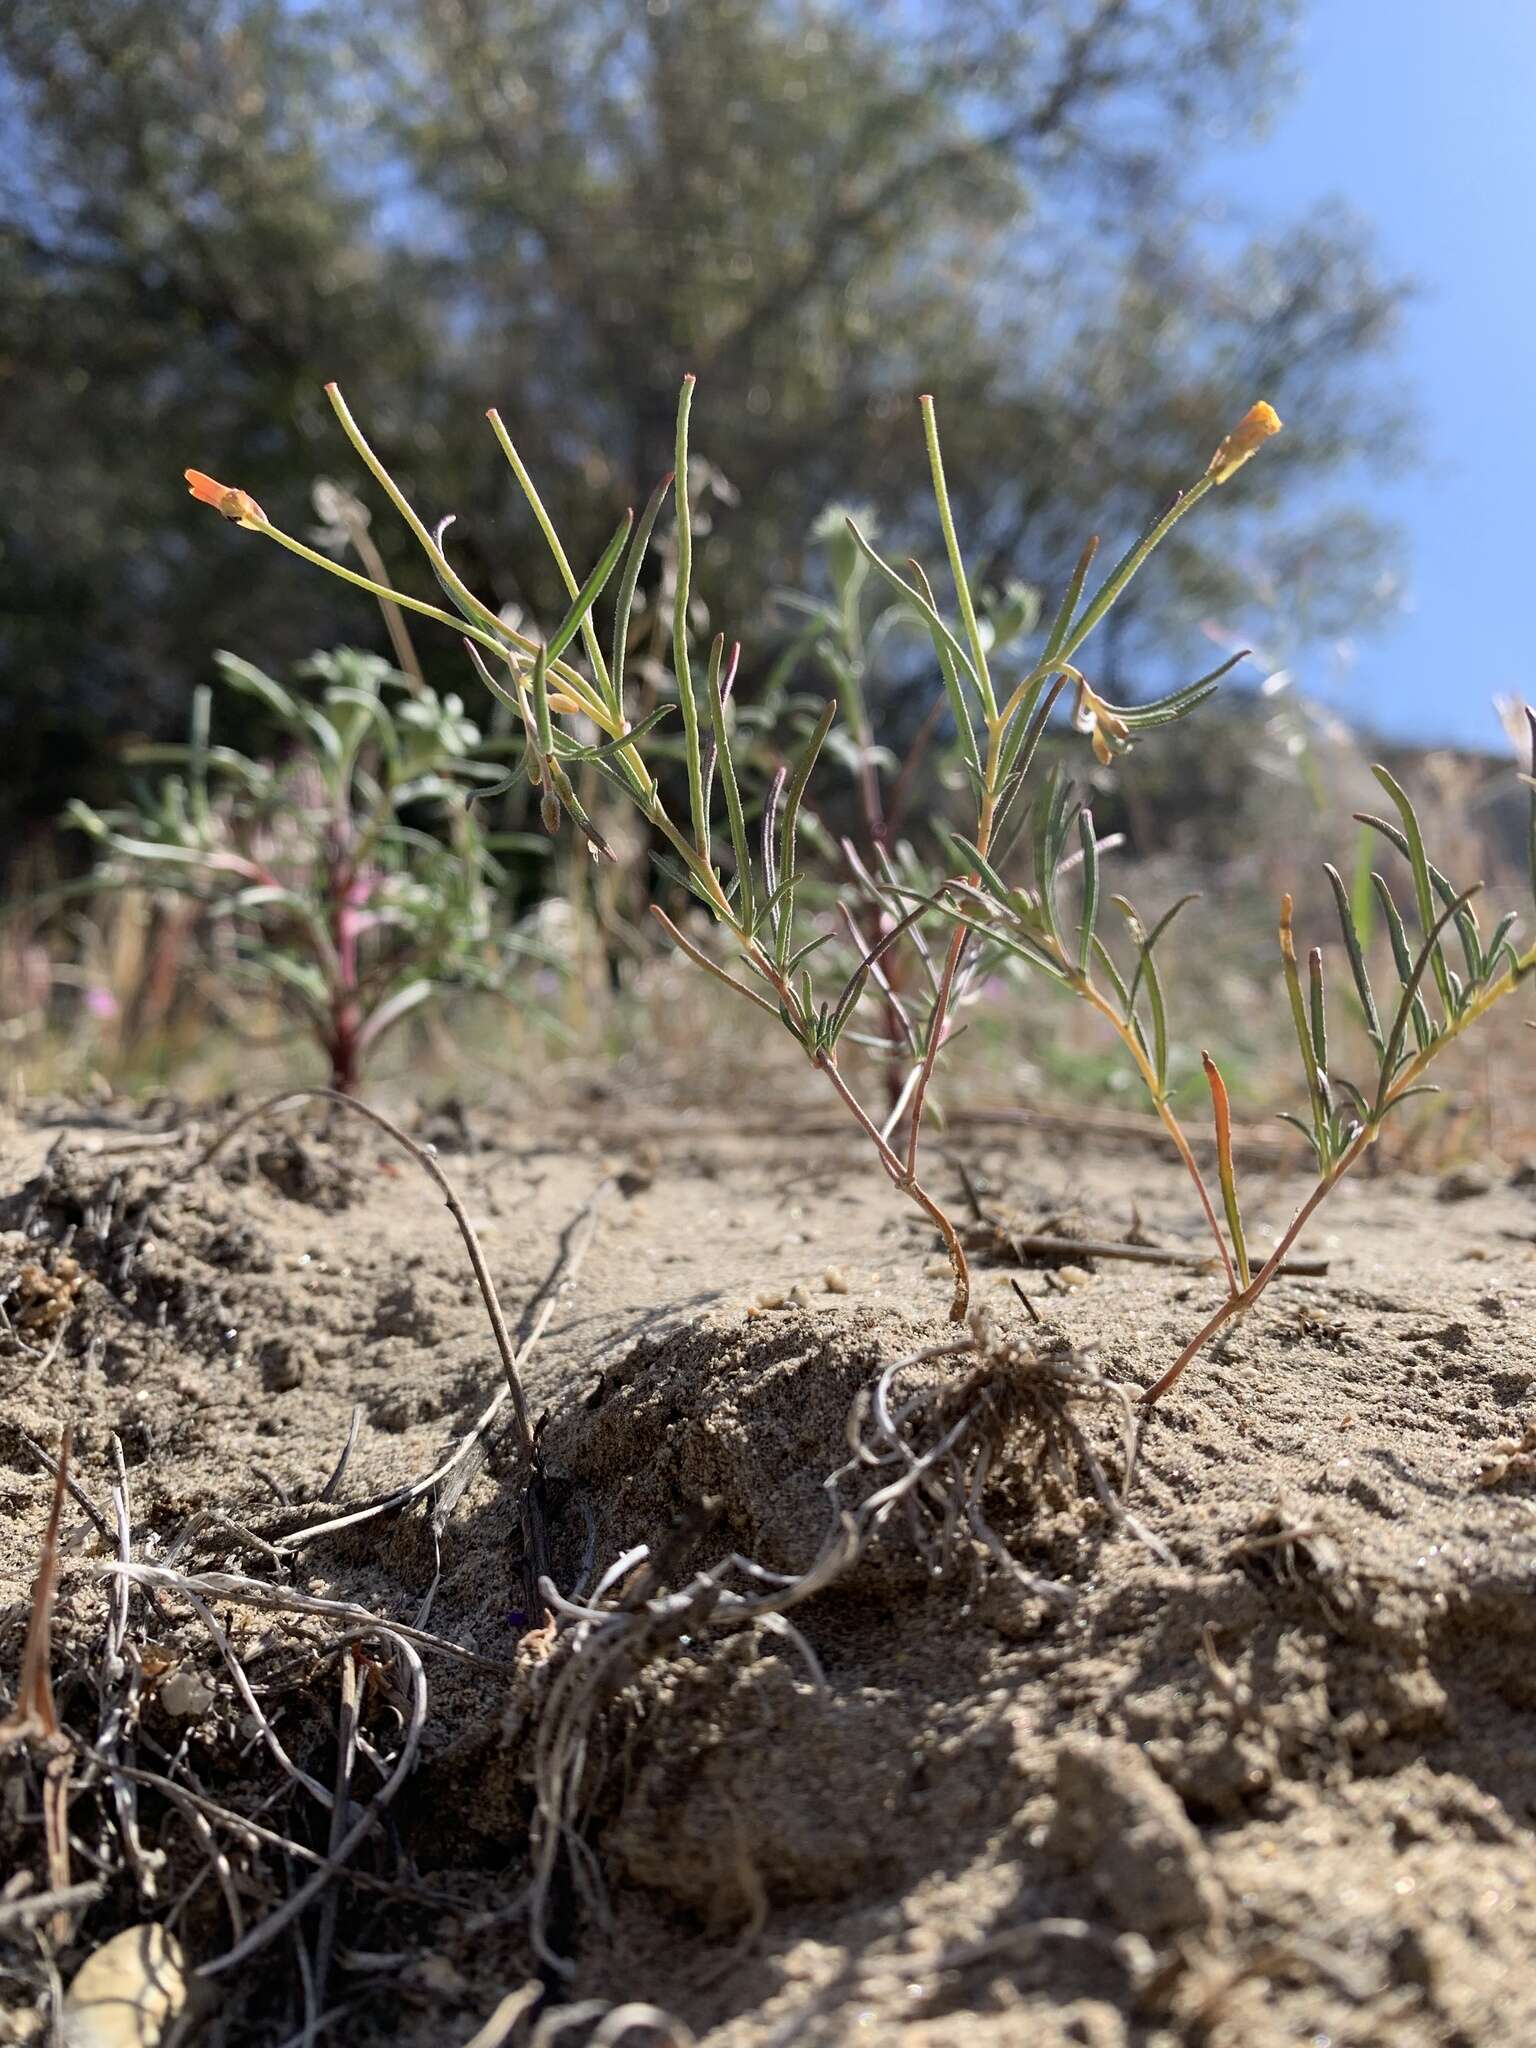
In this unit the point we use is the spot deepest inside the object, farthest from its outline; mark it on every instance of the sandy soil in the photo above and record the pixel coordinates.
(1251, 1767)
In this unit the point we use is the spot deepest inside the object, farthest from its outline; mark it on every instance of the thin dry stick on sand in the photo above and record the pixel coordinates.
(449, 1479)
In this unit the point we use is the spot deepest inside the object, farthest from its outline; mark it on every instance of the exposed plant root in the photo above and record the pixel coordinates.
(446, 1482)
(613, 2024)
(930, 1454)
(351, 1823)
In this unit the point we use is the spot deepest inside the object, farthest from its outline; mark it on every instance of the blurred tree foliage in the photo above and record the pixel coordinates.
(209, 206)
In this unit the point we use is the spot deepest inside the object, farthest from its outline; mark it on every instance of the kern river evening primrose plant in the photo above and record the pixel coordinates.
(744, 870)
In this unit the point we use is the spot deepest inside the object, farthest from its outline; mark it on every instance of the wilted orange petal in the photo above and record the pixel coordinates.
(1255, 427)
(206, 489)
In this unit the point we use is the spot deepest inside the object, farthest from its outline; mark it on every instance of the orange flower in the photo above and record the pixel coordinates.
(236, 505)
(1245, 439)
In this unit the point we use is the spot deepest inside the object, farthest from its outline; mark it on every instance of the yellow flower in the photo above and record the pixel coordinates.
(239, 506)
(1109, 731)
(1255, 427)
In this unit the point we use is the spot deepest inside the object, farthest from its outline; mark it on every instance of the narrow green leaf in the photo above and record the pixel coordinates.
(543, 724)
(1045, 867)
(1357, 1101)
(1159, 1020)
(1221, 1114)
(1148, 721)
(698, 810)
(1024, 736)
(769, 835)
(1149, 940)
(926, 610)
(1299, 1020)
(1317, 1011)
(1500, 933)
(1016, 942)
(1147, 976)
(609, 748)
(797, 959)
(1401, 956)
(1420, 1088)
(1106, 960)
(245, 676)
(1311, 1136)
(1090, 910)
(1418, 860)
(978, 864)
(1428, 952)
(633, 562)
(854, 987)
(715, 692)
(1164, 710)
(787, 830)
(771, 904)
(956, 561)
(1062, 622)
(590, 591)
(1356, 952)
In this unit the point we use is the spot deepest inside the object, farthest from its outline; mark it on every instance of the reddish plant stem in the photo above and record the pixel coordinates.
(1165, 1114)
(904, 1178)
(1235, 1304)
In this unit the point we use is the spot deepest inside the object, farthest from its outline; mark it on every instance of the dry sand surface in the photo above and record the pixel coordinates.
(1244, 1760)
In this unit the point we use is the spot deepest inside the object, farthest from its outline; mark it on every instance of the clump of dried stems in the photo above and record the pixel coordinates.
(304, 1836)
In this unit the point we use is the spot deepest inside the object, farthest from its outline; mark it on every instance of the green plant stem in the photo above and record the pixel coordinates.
(902, 1177)
(1238, 1302)
(406, 659)
(440, 563)
(552, 539)
(1122, 573)
(498, 642)
(681, 667)
(956, 561)
(1085, 988)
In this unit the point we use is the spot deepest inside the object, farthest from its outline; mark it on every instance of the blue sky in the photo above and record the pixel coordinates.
(1421, 115)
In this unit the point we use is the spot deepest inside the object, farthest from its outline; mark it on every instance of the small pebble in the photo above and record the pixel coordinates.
(186, 1694)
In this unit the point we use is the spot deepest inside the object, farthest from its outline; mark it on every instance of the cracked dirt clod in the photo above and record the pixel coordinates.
(1128, 1832)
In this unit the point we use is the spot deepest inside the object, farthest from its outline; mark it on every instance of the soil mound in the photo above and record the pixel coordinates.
(1238, 1760)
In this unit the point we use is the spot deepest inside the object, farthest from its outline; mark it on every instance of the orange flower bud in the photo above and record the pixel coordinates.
(1246, 438)
(224, 498)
